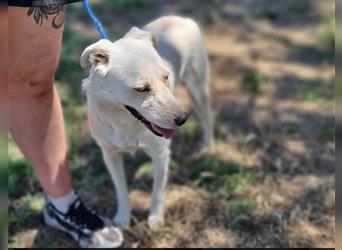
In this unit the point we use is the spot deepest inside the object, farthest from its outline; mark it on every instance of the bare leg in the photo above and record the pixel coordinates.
(114, 164)
(36, 119)
(3, 71)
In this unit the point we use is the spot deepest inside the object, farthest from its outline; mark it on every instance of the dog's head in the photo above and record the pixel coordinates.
(131, 73)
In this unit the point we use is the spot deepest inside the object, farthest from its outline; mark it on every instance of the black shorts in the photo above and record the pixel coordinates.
(39, 3)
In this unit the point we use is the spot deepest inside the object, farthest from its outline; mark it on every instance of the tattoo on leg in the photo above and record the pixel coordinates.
(42, 12)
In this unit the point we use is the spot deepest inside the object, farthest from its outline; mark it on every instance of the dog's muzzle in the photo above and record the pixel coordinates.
(155, 129)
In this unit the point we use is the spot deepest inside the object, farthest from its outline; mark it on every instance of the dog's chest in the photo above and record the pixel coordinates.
(107, 132)
(115, 129)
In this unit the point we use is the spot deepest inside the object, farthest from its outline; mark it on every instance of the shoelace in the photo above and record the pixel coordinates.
(85, 218)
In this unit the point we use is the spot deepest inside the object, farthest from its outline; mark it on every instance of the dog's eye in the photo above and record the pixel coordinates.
(143, 89)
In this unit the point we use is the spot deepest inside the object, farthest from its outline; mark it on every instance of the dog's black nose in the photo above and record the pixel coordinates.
(180, 120)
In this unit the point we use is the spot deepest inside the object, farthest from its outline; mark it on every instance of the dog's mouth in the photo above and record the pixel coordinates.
(155, 129)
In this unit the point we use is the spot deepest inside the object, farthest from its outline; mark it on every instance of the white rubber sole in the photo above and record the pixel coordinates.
(100, 239)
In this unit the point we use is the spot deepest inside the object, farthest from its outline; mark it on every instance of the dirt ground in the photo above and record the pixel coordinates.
(270, 181)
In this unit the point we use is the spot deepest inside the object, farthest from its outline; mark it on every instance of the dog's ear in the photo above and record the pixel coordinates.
(96, 54)
(143, 35)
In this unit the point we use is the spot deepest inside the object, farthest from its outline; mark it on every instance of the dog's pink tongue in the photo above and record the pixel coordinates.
(167, 133)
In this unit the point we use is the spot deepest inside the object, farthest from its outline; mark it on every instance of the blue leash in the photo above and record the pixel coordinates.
(96, 22)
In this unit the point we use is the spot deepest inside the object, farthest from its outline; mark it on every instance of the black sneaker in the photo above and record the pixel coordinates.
(84, 225)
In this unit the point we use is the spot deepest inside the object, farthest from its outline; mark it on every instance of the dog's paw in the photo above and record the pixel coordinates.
(155, 221)
(122, 222)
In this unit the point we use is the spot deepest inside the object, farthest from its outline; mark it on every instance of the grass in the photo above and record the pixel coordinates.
(326, 35)
(119, 5)
(220, 130)
(266, 14)
(291, 128)
(327, 134)
(106, 9)
(241, 208)
(251, 80)
(30, 206)
(144, 173)
(220, 177)
(338, 87)
(163, 231)
(296, 7)
(315, 91)
(34, 202)
(238, 210)
(192, 128)
(21, 178)
(126, 4)
(300, 6)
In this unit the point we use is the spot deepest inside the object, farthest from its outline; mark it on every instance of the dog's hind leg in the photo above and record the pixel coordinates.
(196, 79)
(114, 164)
(160, 164)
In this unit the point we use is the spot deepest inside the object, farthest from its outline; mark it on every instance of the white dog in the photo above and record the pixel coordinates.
(131, 104)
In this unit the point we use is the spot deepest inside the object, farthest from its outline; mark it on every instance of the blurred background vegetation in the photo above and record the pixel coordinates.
(3, 191)
(270, 180)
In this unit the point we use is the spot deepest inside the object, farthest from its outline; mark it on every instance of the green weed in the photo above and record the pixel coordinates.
(34, 202)
(144, 172)
(192, 128)
(300, 6)
(30, 207)
(313, 92)
(326, 35)
(117, 5)
(220, 130)
(21, 178)
(327, 134)
(251, 80)
(241, 208)
(218, 176)
(266, 14)
(126, 4)
(238, 210)
(291, 128)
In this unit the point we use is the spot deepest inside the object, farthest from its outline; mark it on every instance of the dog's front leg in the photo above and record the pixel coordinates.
(114, 164)
(160, 164)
